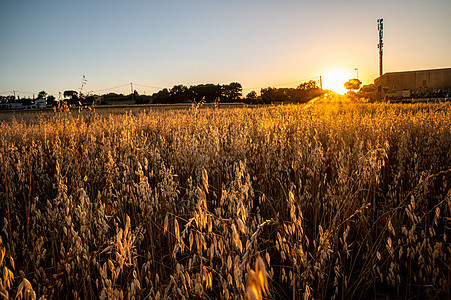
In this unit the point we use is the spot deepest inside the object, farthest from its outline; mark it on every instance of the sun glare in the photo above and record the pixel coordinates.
(334, 80)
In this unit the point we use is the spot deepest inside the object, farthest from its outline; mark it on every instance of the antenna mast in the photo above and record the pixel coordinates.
(380, 28)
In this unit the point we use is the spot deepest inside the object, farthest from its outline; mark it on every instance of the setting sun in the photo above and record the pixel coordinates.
(334, 80)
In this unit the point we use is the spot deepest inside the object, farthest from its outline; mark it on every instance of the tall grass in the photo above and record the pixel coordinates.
(330, 200)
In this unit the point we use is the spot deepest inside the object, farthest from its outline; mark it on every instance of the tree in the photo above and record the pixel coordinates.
(231, 92)
(303, 93)
(161, 97)
(205, 92)
(42, 95)
(179, 93)
(270, 95)
(27, 101)
(252, 95)
(353, 84)
(199, 93)
(71, 97)
(305, 86)
(70, 94)
(51, 100)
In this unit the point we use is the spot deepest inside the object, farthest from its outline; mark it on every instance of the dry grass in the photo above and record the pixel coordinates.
(330, 200)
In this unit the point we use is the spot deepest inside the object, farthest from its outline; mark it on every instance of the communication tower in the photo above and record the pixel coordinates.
(380, 28)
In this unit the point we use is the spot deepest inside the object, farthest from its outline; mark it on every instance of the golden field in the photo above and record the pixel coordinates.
(324, 201)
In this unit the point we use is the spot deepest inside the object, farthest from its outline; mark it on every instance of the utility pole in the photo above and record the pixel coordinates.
(380, 28)
(320, 83)
(357, 69)
(133, 92)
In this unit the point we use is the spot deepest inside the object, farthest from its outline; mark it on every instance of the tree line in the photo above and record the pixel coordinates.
(207, 93)
(211, 93)
(201, 93)
(301, 94)
(233, 92)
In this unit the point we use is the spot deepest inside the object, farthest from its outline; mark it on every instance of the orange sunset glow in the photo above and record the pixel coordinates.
(334, 80)
(257, 44)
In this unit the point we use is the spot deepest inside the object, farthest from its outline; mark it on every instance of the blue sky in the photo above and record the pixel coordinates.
(50, 45)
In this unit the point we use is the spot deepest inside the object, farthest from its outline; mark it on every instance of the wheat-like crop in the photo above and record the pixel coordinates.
(329, 200)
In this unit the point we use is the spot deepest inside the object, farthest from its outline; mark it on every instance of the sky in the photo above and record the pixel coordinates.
(49, 45)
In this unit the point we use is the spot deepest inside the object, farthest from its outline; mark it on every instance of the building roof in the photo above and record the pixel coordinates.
(415, 71)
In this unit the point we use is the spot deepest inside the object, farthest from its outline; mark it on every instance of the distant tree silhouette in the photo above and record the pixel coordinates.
(42, 95)
(305, 86)
(303, 93)
(179, 94)
(252, 95)
(51, 100)
(205, 92)
(161, 97)
(231, 92)
(353, 84)
(197, 93)
(70, 94)
(141, 99)
(26, 101)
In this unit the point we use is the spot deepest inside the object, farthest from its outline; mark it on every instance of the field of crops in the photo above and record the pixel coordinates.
(324, 201)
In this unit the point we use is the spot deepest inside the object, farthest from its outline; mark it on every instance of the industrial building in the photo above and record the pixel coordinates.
(414, 84)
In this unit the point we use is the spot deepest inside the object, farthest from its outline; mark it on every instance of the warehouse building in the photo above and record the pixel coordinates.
(414, 84)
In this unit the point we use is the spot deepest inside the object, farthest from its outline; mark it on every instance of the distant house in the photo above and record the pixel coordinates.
(12, 105)
(422, 83)
(40, 103)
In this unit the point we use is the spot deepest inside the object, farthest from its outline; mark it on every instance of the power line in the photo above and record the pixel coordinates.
(299, 81)
(24, 92)
(111, 88)
(6, 92)
(152, 87)
(124, 85)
